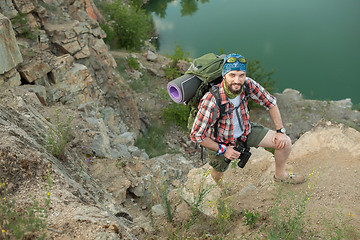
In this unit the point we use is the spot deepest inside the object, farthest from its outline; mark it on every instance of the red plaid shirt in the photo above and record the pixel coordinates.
(204, 124)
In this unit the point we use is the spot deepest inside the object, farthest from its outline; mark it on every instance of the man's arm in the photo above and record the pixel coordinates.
(276, 117)
(214, 146)
(280, 139)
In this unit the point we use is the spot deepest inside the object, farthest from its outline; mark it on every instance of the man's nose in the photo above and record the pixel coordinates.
(238, 79)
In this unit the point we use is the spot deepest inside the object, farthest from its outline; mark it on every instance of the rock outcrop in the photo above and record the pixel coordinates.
(61, 48)
(10, 54)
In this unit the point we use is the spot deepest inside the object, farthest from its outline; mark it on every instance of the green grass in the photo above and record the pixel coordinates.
(58, 136)
(153, 141)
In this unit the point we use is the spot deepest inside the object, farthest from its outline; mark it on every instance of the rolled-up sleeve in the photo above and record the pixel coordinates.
(261, 96)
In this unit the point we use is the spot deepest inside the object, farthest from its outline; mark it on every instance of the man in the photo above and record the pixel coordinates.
(236, 126)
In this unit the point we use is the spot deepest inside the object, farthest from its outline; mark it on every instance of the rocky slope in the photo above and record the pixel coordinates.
(54, 63)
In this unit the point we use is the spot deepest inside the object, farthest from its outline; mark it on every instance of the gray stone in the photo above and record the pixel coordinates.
(344, 103)
(127, 138)
(10, 79)
(24, 6)
(7, 8)
(9, 50)
(150, 56)
(34, 70)
(37, 89)
(138, 190)
(135, 151)
(83, 53)
(61, 68)
(70, 47)
(122, 150)
(183, 66)
(158, 210)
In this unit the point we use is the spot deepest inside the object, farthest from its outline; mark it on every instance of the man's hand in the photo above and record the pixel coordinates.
(280, 140)
(231, 153)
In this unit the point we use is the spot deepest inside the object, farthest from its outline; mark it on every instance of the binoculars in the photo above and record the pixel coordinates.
(245, 153)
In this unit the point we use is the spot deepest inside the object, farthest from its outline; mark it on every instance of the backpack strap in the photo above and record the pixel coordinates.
(214, 90)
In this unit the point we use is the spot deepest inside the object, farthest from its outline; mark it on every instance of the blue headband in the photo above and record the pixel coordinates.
(238, 66)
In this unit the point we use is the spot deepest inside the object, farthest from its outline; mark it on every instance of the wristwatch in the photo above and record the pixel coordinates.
(281, 130)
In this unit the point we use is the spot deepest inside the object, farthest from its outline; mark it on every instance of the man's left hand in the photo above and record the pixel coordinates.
(280, 140)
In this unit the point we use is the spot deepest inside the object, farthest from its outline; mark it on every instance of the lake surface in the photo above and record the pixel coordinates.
(313, 45)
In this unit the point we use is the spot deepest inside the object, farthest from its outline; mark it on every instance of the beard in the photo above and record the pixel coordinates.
(233, 88)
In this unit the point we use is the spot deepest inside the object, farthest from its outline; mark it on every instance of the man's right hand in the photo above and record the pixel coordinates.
(231, 153)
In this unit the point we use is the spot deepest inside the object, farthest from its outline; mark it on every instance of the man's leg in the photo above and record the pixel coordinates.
(217, 176)
(281, 155)
(218, 167)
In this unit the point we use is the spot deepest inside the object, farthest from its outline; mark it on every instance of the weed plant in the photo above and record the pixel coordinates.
(199, 196)
(224, 216)
(286, 219)
(251, 218)
(340, 227)
(164, 192)
(158, 192)
(57, 137)
(16, 224)
(287, 213)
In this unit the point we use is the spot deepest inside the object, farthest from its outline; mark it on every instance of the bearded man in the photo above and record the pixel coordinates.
(234, 129)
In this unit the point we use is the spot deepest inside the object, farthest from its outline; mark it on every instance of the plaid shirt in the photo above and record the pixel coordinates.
(204, 124)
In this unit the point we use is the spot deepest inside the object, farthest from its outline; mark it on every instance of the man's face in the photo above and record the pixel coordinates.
(234, 81)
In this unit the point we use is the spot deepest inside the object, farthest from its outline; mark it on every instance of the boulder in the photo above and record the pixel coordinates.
(34, 70)
(24, 6)
(150, 56)
(9, 50)
(8, 9)
(10, 79)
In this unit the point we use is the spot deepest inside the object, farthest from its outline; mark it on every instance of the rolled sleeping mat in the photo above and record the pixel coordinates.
(183, 88)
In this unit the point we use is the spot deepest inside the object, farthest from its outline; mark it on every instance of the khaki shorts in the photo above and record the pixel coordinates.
(257, 134)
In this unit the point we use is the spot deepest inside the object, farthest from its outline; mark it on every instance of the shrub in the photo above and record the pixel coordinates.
(153, 141)
(127, 25)
(133, 63)
(171, 71)
(177, 114)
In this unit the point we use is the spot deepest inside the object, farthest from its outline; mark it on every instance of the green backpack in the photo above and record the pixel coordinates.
(208, 68)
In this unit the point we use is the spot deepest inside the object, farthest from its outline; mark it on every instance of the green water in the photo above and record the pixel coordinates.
(313, 45)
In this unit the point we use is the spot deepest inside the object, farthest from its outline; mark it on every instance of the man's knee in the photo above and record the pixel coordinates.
(288, 142)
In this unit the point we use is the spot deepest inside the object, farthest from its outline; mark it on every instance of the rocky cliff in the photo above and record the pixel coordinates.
(54, 60)
(55, 66)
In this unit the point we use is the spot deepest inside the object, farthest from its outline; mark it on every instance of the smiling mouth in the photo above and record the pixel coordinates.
(236, 85)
